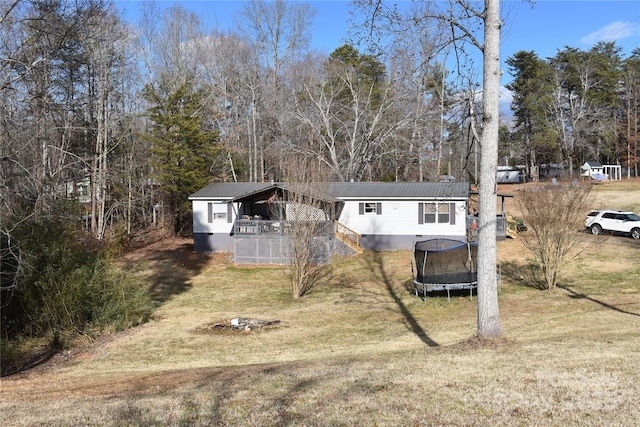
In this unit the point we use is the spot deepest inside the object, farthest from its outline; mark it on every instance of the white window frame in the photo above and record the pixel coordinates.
(436, 213)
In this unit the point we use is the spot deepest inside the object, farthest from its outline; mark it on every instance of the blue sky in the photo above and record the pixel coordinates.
(545, 28)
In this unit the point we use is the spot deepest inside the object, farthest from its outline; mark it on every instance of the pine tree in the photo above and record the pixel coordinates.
(183, 146)
(531, 88)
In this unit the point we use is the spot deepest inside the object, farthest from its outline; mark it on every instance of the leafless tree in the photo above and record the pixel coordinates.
(168, 42)
(350, 121)
(570, 115)
(310, 229)
(554, 216)
(477, 25)
(630, 126)
(280, 31)
(229, 67)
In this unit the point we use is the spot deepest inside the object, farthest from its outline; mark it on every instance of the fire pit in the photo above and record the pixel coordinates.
(238, 324)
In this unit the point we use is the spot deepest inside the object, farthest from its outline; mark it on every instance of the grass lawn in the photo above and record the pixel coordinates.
(360, 350)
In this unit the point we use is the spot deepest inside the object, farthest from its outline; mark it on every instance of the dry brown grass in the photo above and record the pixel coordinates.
(360, 350)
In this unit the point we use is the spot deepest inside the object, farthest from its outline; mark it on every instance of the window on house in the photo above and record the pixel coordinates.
(436, 212)
(374, 208)
(443, 213)
(430, 210)
(219, 212)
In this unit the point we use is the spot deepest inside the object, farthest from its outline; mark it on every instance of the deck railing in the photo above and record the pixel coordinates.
(254, 227)
(347, 235)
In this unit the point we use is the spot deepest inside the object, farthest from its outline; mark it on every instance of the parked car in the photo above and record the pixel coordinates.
(613, 221)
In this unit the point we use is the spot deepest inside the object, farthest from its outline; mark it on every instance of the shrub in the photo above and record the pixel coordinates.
(67, 287)
(554, 216)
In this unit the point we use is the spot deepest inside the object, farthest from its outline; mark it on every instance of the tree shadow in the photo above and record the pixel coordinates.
(168, 265)
(376, 265)
(39, 358)
(526, 275)
(578, 295)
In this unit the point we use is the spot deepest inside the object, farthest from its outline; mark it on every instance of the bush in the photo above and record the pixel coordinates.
(67, 288)
(554, 215)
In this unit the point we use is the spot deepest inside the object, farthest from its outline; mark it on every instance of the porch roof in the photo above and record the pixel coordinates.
(307, 190)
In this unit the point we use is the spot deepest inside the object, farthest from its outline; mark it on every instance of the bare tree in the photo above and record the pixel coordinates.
(229, 67)
(554, 215)
(571, 110)
(280, 31)
(478, 26)
(488, 313)
(104, 45)
(630, 128)
(349, 117)
(168, 42)
(309, 230)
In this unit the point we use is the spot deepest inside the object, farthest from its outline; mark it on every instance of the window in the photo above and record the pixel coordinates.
(219, 212)
(374, 208)
(430, 210)
(436, 212)
(443, 213)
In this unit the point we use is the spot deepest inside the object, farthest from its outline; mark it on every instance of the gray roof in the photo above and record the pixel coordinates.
(345, 190)
(229, 190)
(398, 190)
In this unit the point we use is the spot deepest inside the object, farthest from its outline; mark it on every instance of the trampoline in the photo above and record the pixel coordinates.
(445, 265)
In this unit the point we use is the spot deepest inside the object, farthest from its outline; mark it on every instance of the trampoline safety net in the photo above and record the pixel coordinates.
(444, 264)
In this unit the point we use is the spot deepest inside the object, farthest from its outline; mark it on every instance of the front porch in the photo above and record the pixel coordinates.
(268, 242)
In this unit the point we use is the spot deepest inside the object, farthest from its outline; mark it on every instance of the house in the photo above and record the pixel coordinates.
(251, 219)
(600, 172)
(594, 170)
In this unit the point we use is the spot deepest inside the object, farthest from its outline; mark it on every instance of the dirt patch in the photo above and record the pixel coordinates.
(239, 325)
(479, 343)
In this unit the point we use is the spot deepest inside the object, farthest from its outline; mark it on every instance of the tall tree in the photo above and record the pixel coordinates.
(347, 113)
(183, 146)
(606, 99)
(480, 27)
(583, 107)
(229, 68)
(488, 313)
(630, 121)
(532, 90)
(280, 31)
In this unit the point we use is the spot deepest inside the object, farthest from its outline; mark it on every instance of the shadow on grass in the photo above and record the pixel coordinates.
(281, 391)
(526, 275)
(171, 265)
(378, 268)
(578, 295)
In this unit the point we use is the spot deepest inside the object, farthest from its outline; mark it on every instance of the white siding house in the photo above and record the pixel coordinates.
(386, 216)
(395, 215)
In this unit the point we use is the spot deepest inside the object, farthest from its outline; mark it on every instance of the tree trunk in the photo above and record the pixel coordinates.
(488, 315)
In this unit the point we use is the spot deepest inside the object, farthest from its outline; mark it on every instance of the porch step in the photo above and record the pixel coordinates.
(347, 241)
(340, 247)
(348, 237)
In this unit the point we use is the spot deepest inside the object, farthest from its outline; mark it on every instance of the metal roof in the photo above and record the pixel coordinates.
(398, 190)
(229, 190)
(344, 190)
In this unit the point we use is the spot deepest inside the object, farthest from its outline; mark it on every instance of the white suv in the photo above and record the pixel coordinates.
(614, 221)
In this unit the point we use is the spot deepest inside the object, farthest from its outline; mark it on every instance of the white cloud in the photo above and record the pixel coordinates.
(612, 32)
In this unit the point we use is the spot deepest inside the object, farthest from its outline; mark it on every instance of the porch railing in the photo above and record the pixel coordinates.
(347, 235)
(254, 227)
